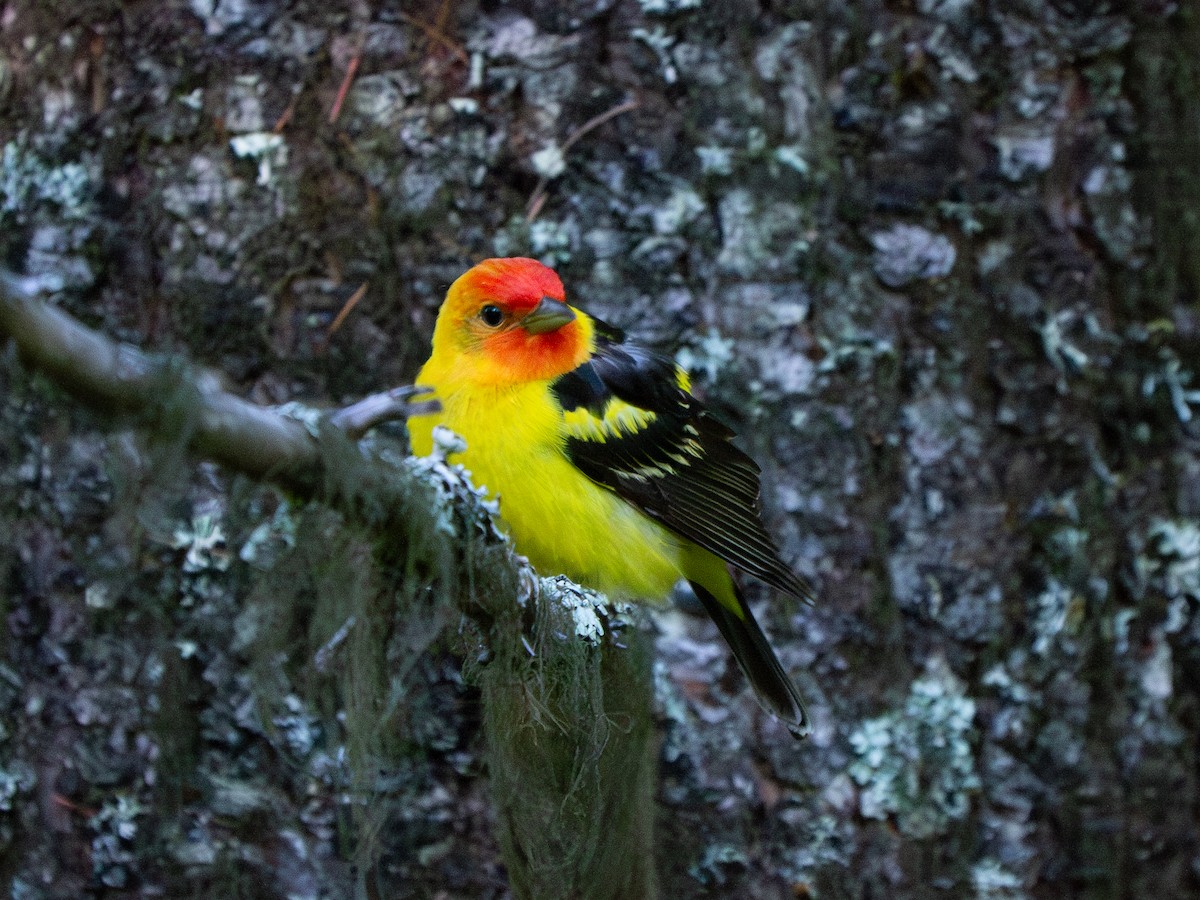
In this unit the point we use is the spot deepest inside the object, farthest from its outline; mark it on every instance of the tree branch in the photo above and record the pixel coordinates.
(119, 378)
(122, 379)
(556, 697)
(371, 412)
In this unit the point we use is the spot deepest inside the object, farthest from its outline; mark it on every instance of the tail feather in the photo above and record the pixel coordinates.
(776, 691)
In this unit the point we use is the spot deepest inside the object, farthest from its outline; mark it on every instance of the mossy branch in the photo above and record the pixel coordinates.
(431, 517)
(567, 719)
(118, 378)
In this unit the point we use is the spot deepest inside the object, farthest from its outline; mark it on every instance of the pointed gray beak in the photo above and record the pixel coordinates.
(549, 315)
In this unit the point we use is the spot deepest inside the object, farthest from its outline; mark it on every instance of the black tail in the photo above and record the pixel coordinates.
(776, 691)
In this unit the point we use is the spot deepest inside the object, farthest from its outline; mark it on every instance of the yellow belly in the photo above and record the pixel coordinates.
(556, 516)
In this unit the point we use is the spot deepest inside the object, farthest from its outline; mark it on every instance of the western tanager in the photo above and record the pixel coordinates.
(606, 468)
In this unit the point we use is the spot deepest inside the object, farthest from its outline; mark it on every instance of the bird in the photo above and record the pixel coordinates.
(605, 466)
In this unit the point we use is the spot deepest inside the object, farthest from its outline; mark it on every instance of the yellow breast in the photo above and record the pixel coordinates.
(556, 516)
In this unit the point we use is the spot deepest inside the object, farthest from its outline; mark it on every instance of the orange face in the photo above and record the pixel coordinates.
(509, 322)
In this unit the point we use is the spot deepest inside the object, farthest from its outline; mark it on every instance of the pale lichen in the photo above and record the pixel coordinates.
(270, 538)
(908, 253)
(203, 539)
(660, 42)
(916, 764)
(16, 778)
(991, 881)
(1176, 544)
(27, 179)
(115, 826)
(1056, 614)
(589, 611)
(1177, 381)
(710, 356)
(717, 863)
(267, 149)
(450, 481)
(668, 7)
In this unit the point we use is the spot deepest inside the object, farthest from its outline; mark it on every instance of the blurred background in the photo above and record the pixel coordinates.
(937, 261)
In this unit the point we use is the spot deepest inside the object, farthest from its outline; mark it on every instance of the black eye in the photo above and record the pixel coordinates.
(492, 315)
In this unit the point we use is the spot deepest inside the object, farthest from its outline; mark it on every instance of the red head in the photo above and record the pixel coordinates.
(507, 321)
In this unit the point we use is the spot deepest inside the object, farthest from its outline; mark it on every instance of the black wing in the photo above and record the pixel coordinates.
(633, 427)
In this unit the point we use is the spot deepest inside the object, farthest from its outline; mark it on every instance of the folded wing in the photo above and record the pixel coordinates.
(633, 427)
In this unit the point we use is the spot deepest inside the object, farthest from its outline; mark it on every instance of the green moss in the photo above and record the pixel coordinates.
(570, 756)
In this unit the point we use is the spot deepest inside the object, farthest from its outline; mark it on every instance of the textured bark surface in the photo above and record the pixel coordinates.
(936, 261)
